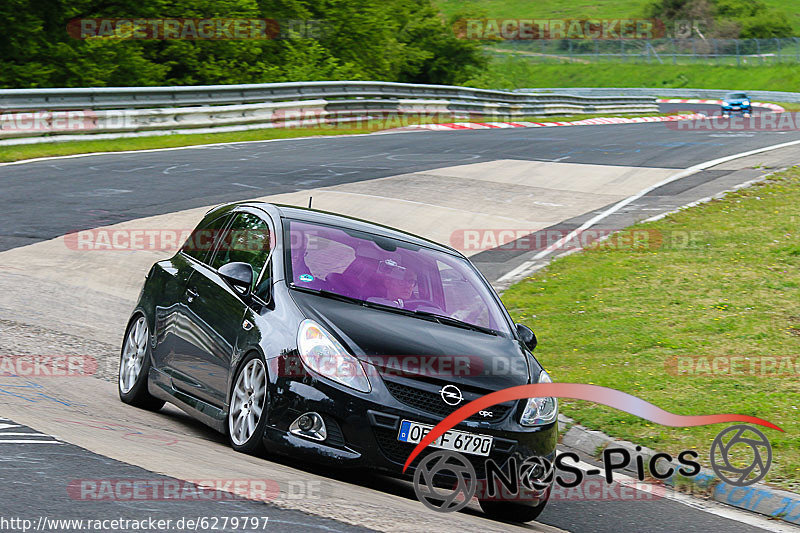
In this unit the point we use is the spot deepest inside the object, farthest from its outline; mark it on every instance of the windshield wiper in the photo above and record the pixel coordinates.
(328, 294)
(350, 299)
(450, 321)
(425, 315)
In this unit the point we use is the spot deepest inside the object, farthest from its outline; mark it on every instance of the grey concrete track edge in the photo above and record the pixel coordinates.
(769, 501)
(526, 268)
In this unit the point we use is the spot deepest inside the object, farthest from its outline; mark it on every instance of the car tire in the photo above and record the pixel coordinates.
(248, 409)
(134, 366)
(512, 512)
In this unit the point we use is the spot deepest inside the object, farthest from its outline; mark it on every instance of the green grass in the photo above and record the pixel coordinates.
(515, 73)
(614, 316)
(577, 9)
(544, 9)
(17, 153)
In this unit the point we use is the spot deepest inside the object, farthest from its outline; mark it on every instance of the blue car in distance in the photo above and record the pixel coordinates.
(736, 103)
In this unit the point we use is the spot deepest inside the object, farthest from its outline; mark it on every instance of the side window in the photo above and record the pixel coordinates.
(202, 238)
(247, 241)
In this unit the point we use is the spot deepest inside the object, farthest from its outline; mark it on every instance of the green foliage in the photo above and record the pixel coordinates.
(745, 19)
(720, 281)
(517, 73)
(394, 40)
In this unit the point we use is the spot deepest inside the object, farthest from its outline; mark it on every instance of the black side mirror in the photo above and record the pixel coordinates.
(527, 336)
(239, 276)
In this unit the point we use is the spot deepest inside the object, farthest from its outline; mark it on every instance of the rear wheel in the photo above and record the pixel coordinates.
(247, 413)
(134, 366)
(512, 512)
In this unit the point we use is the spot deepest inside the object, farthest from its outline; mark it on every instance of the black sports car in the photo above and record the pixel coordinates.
(334, 339)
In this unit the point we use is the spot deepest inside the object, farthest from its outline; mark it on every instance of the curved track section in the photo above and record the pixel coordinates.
(59, 298)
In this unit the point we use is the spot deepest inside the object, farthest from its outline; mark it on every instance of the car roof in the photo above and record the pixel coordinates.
(292, 212)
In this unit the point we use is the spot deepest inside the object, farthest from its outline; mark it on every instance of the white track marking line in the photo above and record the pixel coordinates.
(245, 185)
(714, 508)
(25, 435)
(523, 269)
(30, 442)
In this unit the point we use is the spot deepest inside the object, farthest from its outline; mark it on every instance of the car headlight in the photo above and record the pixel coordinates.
(326, 356)
(726, 103)
(540, 411)
(746, 102)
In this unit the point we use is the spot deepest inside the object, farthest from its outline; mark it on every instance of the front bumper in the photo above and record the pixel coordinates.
(363, 428)
(737, 109)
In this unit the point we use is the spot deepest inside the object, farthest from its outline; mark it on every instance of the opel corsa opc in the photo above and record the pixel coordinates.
(336, 340)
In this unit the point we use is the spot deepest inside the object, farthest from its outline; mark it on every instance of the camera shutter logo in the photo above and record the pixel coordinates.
(454, 465)
(721, 458)
(536, 473)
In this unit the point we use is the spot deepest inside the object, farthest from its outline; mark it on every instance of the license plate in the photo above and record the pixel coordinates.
(458, 441)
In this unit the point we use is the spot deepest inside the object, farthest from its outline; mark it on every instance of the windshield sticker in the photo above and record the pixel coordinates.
(306, 277)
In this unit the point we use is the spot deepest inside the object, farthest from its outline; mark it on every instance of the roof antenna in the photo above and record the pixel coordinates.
(309, 201)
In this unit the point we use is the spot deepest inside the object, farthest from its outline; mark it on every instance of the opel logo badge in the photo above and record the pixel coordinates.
(451, 395)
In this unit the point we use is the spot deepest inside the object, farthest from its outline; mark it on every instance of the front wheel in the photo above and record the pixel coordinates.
(247, 413)
(512, 512)
(134, 366)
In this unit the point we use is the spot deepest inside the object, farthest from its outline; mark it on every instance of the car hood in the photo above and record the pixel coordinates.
(413, 347)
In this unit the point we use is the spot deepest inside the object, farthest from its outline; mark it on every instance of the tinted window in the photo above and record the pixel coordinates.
(202, 238)
(391, 272)
(246, 241)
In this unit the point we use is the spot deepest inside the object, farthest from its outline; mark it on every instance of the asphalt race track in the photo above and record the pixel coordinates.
(521, 178)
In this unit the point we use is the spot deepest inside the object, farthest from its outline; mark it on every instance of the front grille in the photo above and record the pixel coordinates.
(431, 402)
(397, 451)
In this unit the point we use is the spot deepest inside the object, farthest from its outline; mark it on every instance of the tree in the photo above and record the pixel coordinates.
(398, 40)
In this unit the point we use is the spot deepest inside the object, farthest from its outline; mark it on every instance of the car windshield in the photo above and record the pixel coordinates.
(736, 96)
(389, 272)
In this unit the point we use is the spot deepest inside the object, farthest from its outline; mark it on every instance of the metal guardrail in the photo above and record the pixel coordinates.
(148, 97)
(707, 94)
(67, 114)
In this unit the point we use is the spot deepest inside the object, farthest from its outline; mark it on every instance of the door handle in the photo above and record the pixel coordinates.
(191, 294)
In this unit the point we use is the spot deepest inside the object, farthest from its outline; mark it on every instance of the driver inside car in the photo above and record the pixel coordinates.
(400, 283)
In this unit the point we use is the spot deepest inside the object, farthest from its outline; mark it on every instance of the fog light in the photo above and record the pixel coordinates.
(310, 426)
